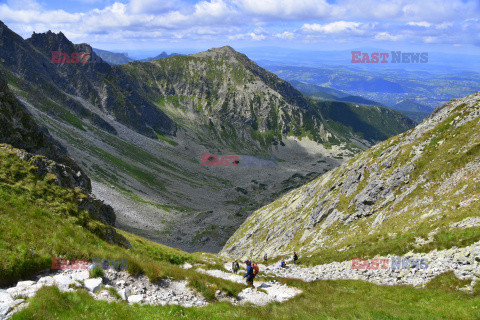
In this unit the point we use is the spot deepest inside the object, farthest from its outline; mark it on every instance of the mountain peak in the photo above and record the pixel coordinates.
(51, 38)
(225, 51)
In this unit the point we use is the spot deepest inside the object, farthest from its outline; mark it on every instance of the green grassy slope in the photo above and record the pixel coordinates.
(372, 123)
(40, 220)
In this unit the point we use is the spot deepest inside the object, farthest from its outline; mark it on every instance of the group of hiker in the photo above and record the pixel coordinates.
(252, 267)
(283, 264)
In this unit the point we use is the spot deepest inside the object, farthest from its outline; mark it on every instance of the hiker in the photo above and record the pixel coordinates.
(235, 266)
(250, 272)
(295, 257)
(283, 264)
(265, 258)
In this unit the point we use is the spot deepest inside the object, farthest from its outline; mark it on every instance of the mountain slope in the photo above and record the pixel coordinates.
(112, 57)
(411, 105)
(162, 55)
(95, 81)
(412, 109)
(403, 194)
(372, 123)
(224, 88)
(227, 91)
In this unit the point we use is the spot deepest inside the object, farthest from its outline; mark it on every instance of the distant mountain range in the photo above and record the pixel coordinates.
(408, 107)
(115, 58)
(161, 56)
(386, 86)
(326, 93)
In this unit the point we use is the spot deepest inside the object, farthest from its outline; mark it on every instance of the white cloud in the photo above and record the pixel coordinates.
(152, 6)
(285, 9)
(410, 10)
(247, 36)
(420, 24)
(285, 35)
(430, 39)
(387, 36)
(444, 25)
(213, 10)
(336, 27)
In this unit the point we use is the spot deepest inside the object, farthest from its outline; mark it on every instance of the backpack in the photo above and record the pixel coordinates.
(255, 268)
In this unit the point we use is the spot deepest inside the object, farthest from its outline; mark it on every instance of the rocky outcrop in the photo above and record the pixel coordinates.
(63, 175)
(66, 177)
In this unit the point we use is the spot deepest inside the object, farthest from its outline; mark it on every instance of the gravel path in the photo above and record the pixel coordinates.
(271, 291)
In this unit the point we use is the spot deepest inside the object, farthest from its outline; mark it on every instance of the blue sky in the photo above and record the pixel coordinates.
(189, 25)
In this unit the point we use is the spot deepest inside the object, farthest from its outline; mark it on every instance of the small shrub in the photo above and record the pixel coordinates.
(96, 272)
(114, 293)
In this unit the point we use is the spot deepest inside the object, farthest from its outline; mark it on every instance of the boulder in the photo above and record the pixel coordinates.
(5, 297)
(136, 298)
(81, 275)
(23, 284)
(124, 293)
(46, 281)
(63, 282)
(93, 284)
